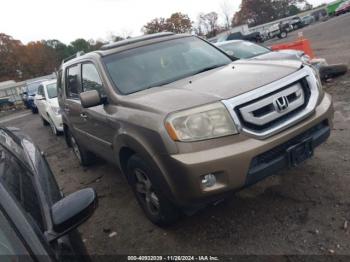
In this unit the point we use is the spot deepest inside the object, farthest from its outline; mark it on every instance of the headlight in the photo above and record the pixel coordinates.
(318, 83)
(56, 110)
(200, 123)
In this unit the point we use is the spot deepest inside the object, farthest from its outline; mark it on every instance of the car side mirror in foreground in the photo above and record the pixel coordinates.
(90, 98)
(71, 211)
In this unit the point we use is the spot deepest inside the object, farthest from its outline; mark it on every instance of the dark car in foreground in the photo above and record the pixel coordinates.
(36, 222)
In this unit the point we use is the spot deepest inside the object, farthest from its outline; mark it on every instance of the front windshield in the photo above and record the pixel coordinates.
(162, 63)
(243, 50)
(32, 88)
(51, 90)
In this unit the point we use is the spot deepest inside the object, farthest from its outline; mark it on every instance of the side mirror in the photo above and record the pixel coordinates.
(40, 97)
(71, 211)
(90, 98)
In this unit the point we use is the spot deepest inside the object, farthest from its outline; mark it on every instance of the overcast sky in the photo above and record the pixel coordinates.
(66, 20)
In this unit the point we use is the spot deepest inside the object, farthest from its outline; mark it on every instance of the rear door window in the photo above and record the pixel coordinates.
(72, 82)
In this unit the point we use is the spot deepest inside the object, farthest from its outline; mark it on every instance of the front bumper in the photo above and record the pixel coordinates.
(239, 164)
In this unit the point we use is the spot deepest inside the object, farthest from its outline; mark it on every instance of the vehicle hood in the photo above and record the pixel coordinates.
(280, 55)
(225, 82)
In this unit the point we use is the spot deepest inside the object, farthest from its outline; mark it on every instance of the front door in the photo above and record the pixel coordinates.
(96, 125)
(72, 107)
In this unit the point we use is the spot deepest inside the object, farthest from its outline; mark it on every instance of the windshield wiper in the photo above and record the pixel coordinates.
(208, 68)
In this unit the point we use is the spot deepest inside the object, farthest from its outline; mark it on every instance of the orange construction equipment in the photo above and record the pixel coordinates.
(301, 44)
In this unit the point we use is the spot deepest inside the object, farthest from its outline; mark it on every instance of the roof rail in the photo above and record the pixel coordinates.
(135, 40)
(77, 54)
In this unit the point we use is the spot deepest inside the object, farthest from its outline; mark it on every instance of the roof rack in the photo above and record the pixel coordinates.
(77, 54)
(135, 40)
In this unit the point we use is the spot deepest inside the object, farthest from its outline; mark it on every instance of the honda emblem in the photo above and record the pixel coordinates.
(281, 103)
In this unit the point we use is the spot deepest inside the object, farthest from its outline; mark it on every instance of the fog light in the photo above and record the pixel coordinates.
(208, 180)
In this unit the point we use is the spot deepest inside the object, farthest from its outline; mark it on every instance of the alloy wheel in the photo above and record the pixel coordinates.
(146, 193)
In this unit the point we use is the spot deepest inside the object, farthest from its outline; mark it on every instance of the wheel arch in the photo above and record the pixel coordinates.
(66, 135)
(129, 146)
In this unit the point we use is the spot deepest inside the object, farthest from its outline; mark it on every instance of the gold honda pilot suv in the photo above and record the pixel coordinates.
(186, 123)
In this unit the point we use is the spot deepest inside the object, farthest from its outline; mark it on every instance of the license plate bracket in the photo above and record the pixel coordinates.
(300, 152)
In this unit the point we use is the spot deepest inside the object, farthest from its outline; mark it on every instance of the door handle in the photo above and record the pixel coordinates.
(83, 115)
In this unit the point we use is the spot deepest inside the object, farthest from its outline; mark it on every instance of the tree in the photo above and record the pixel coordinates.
(208, 23)
(255, 12)
(61, 50)
(227, 14)
(293, 10)
(155, 26)
(10, 53)
(80, 44)
(177, 23)
(38, 59)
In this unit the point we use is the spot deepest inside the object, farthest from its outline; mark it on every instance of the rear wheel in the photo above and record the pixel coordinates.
(54, 128)
(155, 205)
(84, 157)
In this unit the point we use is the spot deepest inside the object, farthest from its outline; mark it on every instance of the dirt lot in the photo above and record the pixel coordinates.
(301, 211)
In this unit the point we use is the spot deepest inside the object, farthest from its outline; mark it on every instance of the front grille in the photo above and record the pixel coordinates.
(260, 114)
(272, 108)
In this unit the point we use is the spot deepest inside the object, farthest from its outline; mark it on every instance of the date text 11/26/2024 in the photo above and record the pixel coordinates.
(173, 258)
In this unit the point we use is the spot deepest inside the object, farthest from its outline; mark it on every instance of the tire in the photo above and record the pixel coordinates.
(34, 110)
(53, 128)
(84, 157)
(283, 34)
(330, 71)
(45, 123)
(158, 209)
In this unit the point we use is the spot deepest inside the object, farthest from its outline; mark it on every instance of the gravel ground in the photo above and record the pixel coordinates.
(302, 211)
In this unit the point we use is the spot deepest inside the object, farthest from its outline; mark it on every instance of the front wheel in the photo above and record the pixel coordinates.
(155, 205)
(54, 128)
